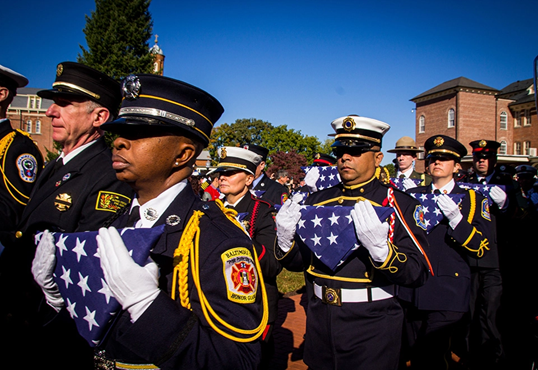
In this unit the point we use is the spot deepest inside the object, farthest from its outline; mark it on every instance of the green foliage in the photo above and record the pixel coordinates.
(288, 281)
(52, 155)
(326, 148)
(117, 34)
(391, 168)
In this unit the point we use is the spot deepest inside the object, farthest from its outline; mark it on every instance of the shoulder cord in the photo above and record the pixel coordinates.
(398, 213)
(484, 243)
(253, 219)
(386, 178)
(190, 244)
(5, 143)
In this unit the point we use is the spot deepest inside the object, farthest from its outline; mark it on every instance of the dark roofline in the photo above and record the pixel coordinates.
(452, 84)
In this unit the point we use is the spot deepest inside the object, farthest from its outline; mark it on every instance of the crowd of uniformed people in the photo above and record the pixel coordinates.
(460, 294)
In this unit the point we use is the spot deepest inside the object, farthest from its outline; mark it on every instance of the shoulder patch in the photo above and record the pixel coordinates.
(240, 275)
(111, 202)
(27, 165)
(418, 215)
(284, 197)
(485, 210)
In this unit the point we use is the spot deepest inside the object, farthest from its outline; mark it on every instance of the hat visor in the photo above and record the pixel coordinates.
(232, 168)
(55, 93)
(484, 155)
(396, 150)
(122, 125)
(353, 144)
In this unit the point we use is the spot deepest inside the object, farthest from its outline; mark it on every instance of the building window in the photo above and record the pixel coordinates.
(38, 127)
(30, 102)
(517, 148)
(517, 121)
(421, 125)
(502, 149)
(504, 121)
(420, 155)
(527, 118)
(37, 104)
(450, 118)
(526, 147)
(29, 126)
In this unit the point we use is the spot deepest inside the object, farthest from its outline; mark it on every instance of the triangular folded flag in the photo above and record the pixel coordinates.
(399, 182)
(482, 189)
(81, 281)
(328, 176)
(257, 193)
(430, 215)
(329, 232)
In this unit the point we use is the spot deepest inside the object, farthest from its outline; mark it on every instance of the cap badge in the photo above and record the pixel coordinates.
(63, 202)
(223, 153)
(173, 220)
(59, 70)
(131, 87)
(439, 141)
(482, 143)
(317, 156)
(348, 124)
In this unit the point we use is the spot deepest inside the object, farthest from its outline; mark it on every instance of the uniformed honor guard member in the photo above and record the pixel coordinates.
(20, 159)
(273, 192)
(354, 320)
(406, 151)
(236, 169)
(322, 160)
(203, 309)
(77, 192)
(437, 306)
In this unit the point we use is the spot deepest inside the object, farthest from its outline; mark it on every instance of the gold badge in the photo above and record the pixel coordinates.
(348, 124)
(317, 156)
(439, 141)
(482, 143)
(63, 202)
(111, 202)
(223, 153)
(59, 70)
(331, 296)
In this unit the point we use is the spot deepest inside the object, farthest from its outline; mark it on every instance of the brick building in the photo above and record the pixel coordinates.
(467, 110)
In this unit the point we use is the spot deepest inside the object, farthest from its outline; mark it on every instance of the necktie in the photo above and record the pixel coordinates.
(59, 164)
(134, 216)
(437, 191)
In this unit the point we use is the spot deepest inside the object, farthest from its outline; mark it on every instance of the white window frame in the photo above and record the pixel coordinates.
(517, 148)
(38, 127)
(527, 119)
(451, 120)
(503, 148)
(517, 119)
(422, 124)
(29, 126)
(503, 120)
(526, 145)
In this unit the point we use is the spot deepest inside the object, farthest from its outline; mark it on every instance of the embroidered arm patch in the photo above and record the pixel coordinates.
(240, 275)
(27, 165)
(485, 209)
(111, 202)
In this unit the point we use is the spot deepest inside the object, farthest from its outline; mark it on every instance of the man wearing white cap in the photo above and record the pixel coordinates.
(20, 159)
(354, 320)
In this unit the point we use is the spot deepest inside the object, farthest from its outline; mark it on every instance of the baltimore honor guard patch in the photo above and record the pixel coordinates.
(111, 202)
(27, 165)
(240, 275)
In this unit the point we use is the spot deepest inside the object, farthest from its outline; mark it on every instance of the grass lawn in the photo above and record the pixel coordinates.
(289, 281)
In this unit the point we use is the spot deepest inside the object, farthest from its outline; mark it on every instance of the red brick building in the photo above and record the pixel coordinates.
(467, 110)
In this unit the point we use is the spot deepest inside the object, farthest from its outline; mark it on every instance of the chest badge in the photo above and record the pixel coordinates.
(173, 220)
(63, 202)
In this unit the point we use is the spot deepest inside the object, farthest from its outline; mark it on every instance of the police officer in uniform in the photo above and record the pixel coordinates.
(235, 171)
(406, 154)
(20, 159)
(273, 192)
(354, 320)
(436, 307)
(197, 304)
(77, 192)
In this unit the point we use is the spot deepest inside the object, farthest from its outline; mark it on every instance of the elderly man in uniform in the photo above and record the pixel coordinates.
(354, 320)
(20, 159)
(77, 192)
(273, 192)
(197, 302)
(406, 154)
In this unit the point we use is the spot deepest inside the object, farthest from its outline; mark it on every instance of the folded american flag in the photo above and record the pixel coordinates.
(399, 182)
(482, 189)
(430, 215)
(328, 176)
(257, 193)
(329, 232)
(81, 282)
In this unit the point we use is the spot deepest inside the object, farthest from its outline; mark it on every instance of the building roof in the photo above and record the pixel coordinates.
(523, 97)
(516, 87)
(452, 84)
(21, 99)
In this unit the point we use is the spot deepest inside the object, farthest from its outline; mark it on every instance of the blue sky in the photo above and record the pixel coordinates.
(302, 63)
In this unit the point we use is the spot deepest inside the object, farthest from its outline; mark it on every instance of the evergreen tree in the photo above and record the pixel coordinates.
(117, 34)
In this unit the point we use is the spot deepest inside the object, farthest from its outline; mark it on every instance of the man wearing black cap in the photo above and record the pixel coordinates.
(197, 303)
(354, 319)
(272, 191)
(435, 308)
(77, 192)
(20, 159)
(321, 160)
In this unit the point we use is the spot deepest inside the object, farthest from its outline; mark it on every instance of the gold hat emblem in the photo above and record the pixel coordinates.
(63, 202)
(223, 153)
(59, 70)
(482, 143)
(317, 156)
(439, 141)
(348, 124)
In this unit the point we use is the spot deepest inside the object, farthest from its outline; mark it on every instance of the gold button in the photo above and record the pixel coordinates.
(362, 190)
(457, 274)
(340, 201)
(18, 234)
(343, 190)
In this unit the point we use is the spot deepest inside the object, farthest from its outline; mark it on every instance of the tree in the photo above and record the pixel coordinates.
(117, 34)
(290, 161)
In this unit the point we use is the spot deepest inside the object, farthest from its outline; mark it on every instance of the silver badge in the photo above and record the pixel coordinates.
(150, 214)
(131, 87)
(205, 206)
(173, 220)
(66, 177)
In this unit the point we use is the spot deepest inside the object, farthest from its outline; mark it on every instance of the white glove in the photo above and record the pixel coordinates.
(498, 196)
(286, 222)
(311, 178)
(408, 183)
(135, 287)
(371, 232)
(450, 210)
(43, 268)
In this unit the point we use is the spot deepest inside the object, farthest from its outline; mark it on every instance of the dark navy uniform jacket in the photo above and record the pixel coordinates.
(260, 225)
(21, 162)
(275, 193)
(171, 336)
(450, 250)
(347, 337)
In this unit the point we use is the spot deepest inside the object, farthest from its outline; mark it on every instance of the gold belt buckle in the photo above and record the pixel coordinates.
(331, 296)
